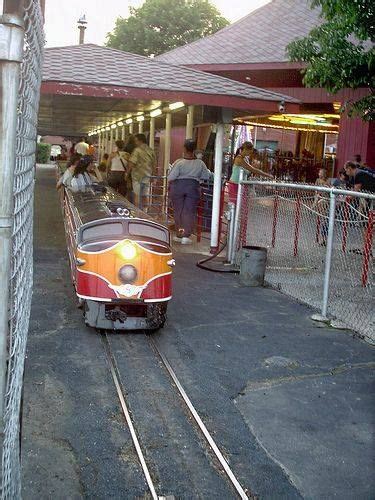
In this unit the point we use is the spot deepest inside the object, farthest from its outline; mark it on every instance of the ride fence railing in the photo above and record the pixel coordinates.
(320, 249)
(22, 35)
(160, 207)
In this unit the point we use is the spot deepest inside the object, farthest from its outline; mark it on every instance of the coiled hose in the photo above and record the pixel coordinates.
(201, 263)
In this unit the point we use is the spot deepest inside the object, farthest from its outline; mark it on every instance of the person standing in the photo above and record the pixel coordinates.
(141, 166)
(117, 168)
(243, 160)
(364, 179)
(82, 147)
(184, 179)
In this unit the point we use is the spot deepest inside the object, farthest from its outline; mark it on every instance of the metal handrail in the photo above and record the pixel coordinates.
(310, 187)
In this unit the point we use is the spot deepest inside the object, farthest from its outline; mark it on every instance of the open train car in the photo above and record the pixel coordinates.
(121, 260)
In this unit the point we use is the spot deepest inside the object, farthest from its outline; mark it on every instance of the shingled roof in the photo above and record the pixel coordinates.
(101, 66)
(261, 36)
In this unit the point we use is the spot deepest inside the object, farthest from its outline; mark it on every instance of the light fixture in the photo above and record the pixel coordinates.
(120, 124)
(108, 128)
(128, 250)
(176, 105)
(129, 121)
(140, 118)
(337, 106)
(155, 112)
(113, 125)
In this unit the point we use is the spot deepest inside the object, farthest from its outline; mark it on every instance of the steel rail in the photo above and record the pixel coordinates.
(116, 380)
(236, 484)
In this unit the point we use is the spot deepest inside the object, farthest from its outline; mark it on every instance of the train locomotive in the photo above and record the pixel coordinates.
(120, 259)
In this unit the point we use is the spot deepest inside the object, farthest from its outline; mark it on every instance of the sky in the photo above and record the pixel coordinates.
(62, 16)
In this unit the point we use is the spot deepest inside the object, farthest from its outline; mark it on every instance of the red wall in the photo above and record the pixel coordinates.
(177, 145)
(355, 137)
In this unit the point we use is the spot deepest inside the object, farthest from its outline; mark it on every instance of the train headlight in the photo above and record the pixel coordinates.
(127, 274)
(128, 250)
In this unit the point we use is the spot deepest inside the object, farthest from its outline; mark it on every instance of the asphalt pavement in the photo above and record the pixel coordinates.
(289, 402)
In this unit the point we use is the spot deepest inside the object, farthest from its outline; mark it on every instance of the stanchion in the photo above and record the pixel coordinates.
(274, 222)
(297, 222)
(200, 218)
(367, 247)
(318, 223)
(345, 214)
(244, 215)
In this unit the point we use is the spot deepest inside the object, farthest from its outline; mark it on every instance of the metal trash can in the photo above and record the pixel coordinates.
(253, 265)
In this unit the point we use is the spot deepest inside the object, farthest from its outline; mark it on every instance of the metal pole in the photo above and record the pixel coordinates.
(116, 133)
(237, 214)
(110, 141)
(99, 146)
(11, 53)
(140, 127)
(230, 216)
(255, 136)
(167, 142)
(131, 128)
(190, 122)
(123, 133)
(327, 267)
(152, 133)
(215, 221)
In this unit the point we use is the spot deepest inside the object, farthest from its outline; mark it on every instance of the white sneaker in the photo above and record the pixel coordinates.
(186, 241)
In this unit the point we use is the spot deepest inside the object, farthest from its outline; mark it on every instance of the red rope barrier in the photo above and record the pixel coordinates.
(367, 247)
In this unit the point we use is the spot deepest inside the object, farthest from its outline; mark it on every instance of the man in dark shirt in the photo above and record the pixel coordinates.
(364, 180)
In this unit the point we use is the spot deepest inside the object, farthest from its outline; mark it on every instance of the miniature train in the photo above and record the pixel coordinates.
(121, 260)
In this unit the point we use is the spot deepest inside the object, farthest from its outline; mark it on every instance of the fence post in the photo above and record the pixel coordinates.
(274, 222)
(235, 241)
(200, 217)
(297, 221)
(345, 214)
(317, 233)
(11, 53)
(327, 267)
(367, 247)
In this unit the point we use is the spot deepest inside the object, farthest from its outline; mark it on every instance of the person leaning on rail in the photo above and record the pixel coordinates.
(243, 159)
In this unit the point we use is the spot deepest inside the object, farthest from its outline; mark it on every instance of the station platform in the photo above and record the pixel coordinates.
(288, 401)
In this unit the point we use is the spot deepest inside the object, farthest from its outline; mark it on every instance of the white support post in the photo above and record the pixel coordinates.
(11, 52)
(123, 133)
(215, 222)
(152, 133)
(167, 143)
(99, 146)
(140, 127)
(190, 122)
(116, 133)
(255, 136)
(110, 141)
(131, 128)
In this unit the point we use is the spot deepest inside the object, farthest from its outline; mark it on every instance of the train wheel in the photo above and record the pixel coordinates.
(156, 316)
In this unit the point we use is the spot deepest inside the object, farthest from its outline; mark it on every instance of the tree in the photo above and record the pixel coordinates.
(161, 25)
(340, 52)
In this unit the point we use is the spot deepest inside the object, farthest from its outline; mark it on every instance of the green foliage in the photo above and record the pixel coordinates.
(43, 152)
(161, 25)
(340, 52)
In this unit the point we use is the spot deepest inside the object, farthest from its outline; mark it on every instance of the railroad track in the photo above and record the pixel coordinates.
(188, 404)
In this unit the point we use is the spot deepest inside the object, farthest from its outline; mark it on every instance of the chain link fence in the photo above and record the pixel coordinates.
(22, 243)
(315, 237)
